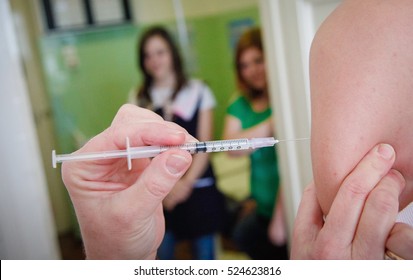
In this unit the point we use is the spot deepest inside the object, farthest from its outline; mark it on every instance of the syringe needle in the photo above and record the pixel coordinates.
(291, 140)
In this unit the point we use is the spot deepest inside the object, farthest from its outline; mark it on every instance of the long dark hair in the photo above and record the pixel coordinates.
(249, 39)
(143, 93)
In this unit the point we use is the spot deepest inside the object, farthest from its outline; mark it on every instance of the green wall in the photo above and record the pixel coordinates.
(215, 57)
(85, 99)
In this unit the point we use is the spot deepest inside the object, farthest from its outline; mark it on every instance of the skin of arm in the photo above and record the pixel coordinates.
(233, 130)
(183, 188)
(361, 69)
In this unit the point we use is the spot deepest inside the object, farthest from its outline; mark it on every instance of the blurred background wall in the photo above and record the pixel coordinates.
(75, 76)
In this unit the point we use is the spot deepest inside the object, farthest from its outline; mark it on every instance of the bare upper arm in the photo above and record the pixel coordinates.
(361, 71)
(232, 127)
(205, 125)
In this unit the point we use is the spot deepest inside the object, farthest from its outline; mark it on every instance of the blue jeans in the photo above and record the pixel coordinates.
(203, 247)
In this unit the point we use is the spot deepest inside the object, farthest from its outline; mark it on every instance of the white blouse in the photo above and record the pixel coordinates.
(186, 101)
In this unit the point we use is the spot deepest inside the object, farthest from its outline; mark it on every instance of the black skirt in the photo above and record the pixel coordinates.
(204, 212)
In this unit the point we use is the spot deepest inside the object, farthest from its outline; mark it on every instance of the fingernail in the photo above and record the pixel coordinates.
(386, 151)
(178, 133)
(176, 164)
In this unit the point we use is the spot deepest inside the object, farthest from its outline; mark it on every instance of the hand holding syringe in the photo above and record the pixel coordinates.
(152, 151)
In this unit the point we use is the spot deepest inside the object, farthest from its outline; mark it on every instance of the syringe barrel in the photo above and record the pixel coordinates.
(223, 146)
(211, 146)
(263, 142)
(229, 145)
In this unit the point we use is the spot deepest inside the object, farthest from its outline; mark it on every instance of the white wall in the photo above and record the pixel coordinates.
(289, 27)
(26, 22)
(26, 224)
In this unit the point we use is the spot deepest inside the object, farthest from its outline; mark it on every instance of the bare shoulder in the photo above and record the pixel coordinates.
(362, 89)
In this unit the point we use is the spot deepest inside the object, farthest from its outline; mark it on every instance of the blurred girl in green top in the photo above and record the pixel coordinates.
(261, 232)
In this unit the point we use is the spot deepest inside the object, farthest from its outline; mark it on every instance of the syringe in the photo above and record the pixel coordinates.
(152, 151)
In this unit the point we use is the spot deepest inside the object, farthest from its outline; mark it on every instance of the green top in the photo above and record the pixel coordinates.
(264, 178)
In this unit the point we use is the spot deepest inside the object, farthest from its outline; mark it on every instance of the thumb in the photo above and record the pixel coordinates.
(158, 179)
(307, 224)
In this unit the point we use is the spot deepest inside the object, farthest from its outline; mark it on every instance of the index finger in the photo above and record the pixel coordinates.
(378, 217)
(142, 127)
(345, 212)
(150, 129)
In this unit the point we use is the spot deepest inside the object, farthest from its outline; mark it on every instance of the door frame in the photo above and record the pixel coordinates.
(288, 28)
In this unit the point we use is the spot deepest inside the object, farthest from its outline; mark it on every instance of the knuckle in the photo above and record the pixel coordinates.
(379, 165)
(125, 109)
(124, 113)
(323, 251)
(383, 201)
(396, 178)
(326, 247)
(356, 189)
(310, 188)
(156, 186)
